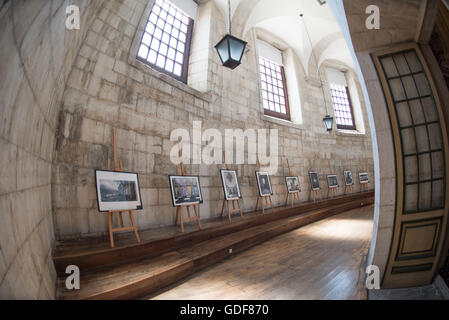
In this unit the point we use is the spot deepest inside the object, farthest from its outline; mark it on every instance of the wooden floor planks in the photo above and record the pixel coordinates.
(324, 260)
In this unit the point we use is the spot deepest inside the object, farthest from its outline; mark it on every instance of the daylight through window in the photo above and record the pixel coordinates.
(342, 107)
(165, 43)
(274, 89)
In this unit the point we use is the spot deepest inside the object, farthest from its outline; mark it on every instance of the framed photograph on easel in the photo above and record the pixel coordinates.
(185, 190)
(349, 180)
(265, 190)
(293, 187)
(332, 181)
(264, 184)
(364, 181)
(363, 178)
(332, 185)
(186, 193)
(315, 185)
(292, 184)
(230, 185)
(314, 181)
(117, 191)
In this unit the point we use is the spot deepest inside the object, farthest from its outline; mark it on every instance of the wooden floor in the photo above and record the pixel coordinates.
(324, 260)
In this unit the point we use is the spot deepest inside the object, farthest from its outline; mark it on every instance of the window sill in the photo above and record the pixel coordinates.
(281, 122)
(350, 133)
(148, 70)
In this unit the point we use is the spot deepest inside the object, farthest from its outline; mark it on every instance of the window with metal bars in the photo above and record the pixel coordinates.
(165, 44)
(274, 89)
(344, 114)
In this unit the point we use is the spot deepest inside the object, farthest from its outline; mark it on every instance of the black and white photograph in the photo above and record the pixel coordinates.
(185, 190)
(230, 184)
(332, 181)
(264, 184)
(117, 191)
(314, 181)
(349, 181)
(364, 178)
(292, 184)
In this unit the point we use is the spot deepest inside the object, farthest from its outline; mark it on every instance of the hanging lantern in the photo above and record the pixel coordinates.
(231, 49)
(328, 123)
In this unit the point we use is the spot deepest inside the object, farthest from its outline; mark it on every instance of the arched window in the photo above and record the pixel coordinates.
(165, 43)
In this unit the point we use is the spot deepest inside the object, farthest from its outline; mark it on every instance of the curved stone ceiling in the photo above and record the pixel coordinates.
(281, 18)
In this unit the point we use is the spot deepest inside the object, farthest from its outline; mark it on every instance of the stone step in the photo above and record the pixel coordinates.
(146, 276)
(95, 253)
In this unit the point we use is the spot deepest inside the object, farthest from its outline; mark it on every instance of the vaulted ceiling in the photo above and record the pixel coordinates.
(281, 18)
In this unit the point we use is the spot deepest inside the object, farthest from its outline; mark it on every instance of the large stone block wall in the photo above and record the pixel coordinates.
(109, 89)
(36, 55)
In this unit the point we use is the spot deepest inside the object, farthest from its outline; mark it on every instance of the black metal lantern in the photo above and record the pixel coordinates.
(231, 49)
(328, 123)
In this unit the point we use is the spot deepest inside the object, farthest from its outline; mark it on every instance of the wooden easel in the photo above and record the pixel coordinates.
(235, 202)
(181, 170)
(331, 192)
(316, 194)
(364, 187)
(295, 196)
(118, 167)
(266, 201)
(349, 189)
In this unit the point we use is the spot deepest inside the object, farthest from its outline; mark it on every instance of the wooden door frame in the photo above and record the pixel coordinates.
(405, 273)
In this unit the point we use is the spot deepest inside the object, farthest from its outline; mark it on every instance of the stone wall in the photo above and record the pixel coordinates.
(399, 22)
(36, 55)
(108, 88)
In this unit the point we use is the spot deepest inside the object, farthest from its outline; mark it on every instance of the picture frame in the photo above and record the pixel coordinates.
(332, 181)
(264, 184)
(117, 191)
(293, 185)
(349, 180)
(185, 190)
(314, 181)
(231, 187)
(364, 178)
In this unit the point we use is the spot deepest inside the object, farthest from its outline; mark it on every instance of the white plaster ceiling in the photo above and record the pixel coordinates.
(223, 6)
(281, 18)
